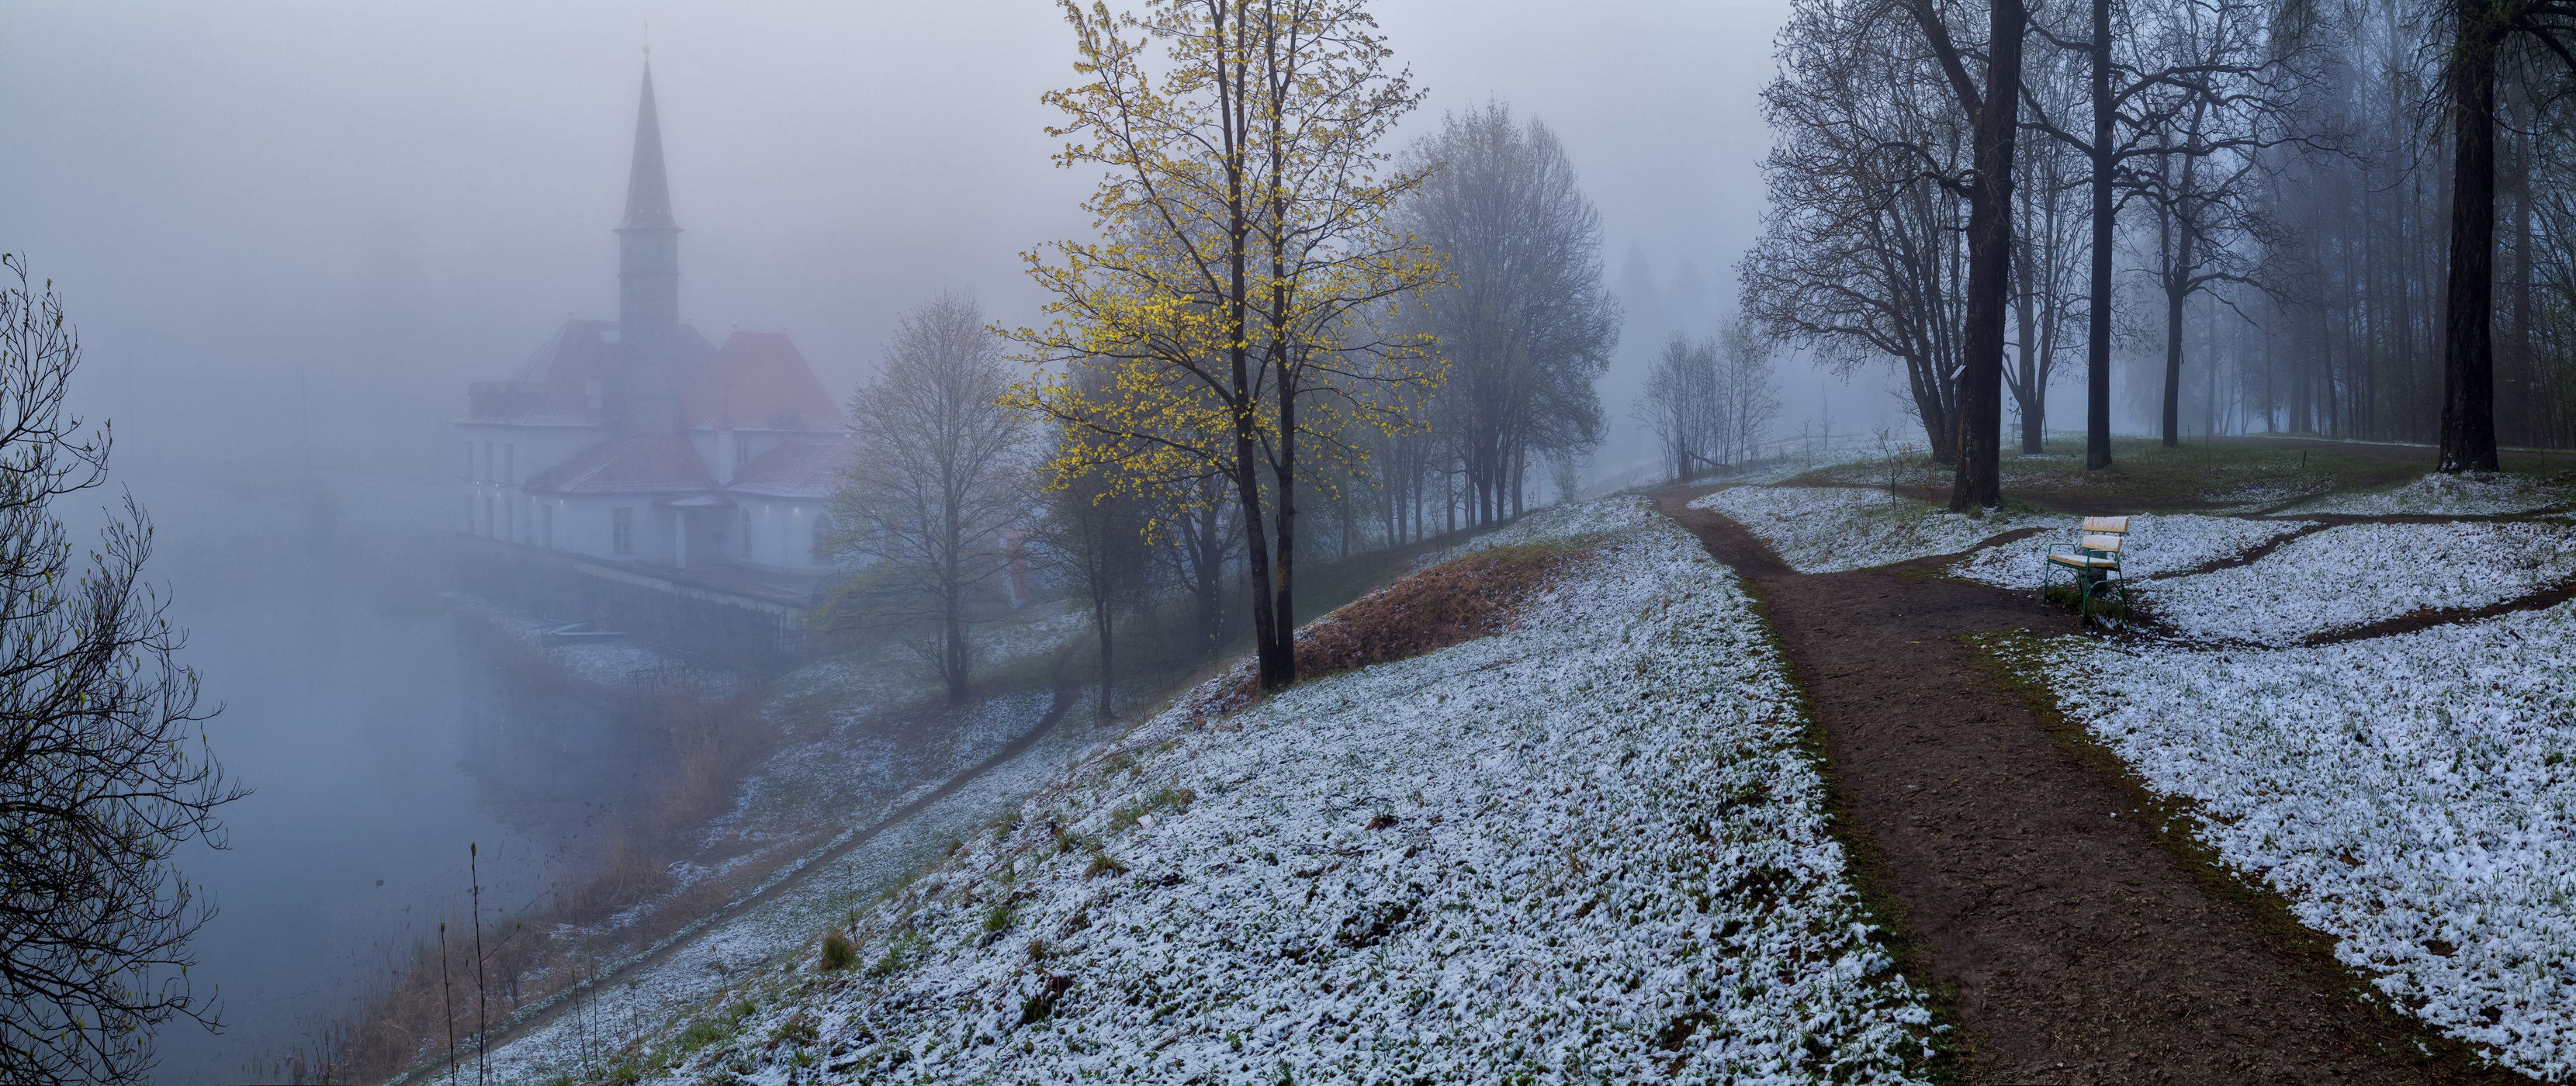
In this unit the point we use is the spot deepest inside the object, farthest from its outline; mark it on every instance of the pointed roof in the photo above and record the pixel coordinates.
(552, 388)
(648, 187)
(758, 381)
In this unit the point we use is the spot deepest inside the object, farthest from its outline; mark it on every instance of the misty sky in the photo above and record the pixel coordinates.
(390, 200)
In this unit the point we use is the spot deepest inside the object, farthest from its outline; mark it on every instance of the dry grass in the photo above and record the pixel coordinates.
(711, 743)
(1457, 601)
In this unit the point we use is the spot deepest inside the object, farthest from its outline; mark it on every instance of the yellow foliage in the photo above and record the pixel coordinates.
(1236, 313)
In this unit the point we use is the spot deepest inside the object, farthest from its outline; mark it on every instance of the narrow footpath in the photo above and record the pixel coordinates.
(2072, 946)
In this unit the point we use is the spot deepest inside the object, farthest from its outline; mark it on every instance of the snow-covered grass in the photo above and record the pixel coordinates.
(866, 765)
(1588, 849)
(2413, 796)
(1832, 529)
(2155, 545)
(2357, 574)
(2453, 495)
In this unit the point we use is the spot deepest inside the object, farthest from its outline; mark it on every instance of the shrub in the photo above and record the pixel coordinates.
(837, 954)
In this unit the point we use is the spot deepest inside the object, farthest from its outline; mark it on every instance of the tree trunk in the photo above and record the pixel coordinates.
(2175, 295)
(1278, 673)
(2097, 340)
(1103, 623)
(2519, 383)
(952, 657)
(1978, 484)
(2468, 351)
(2027, 390)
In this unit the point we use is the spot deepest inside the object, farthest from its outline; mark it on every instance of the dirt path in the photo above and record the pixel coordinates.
(2073, 945)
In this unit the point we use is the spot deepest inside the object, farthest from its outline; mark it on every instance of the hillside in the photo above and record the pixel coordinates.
(1593, 846)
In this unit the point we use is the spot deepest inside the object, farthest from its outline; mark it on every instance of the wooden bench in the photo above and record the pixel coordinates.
(2093, 562)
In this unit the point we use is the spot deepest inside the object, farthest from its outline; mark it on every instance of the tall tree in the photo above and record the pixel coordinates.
(1246, 291)
(1521, 315)
(1994, 108)
(2484, 35)
(104, 768)
(1861, 252)
(936, 479)
(2213, 52)
(2207, 232)
(1095, 536)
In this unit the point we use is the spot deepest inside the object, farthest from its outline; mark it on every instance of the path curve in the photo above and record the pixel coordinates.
(2072, 944)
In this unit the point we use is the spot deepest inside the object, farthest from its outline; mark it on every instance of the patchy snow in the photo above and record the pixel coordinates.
(776, 922)
(869, 762)
(2358, 574)
(2156, 545)
(2454, 495)
(1832, 529)
(2413, 796)
(1591, 848)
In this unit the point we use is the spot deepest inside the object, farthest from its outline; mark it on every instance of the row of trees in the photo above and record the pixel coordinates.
(1289, 337)
(1710, 401)
(1944, 170)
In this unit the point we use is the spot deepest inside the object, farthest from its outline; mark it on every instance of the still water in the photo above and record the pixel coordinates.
(315, 617)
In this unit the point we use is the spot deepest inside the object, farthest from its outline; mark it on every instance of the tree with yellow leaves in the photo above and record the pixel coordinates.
(1242, 296)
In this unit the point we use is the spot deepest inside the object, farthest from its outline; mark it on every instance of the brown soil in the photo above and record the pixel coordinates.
(2072, 939)
(1450, 603)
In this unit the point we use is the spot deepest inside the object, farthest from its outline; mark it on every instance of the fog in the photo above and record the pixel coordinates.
(291, 232)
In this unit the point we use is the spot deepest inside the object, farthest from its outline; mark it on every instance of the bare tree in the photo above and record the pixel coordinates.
(1992, 109)
(2236, 62)
(936, 477)
(1679, 404)
(1862, 252)
(1098, 537)
(2488, 38)
(1748, 391)
(2048, 241)
(2207, 232)
(1522, 316)
(104, 769)
(1710, 401)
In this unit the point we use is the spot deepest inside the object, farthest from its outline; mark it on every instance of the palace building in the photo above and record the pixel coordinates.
(638, 451)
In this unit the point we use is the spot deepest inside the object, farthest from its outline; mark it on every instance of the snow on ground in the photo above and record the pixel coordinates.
(1587, 849)
(2413, 796)
(2156, 545)
(1832, 529)
(780, 924)
(2453, 495)
(867, 764)
(2358, 574)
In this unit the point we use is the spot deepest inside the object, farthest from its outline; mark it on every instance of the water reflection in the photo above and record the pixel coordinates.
(346, 688)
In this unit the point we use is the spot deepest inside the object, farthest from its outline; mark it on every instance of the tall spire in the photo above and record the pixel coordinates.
(648, 188)
(643, 385)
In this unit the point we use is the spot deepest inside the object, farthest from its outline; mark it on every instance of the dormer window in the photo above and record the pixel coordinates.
(608, 335)
(596, 391)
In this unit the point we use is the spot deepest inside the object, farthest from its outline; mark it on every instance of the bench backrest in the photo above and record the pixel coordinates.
(2102, 543)
(2111, 525)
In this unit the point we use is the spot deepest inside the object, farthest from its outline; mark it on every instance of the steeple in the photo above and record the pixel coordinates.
(645, 393)
(648, 188)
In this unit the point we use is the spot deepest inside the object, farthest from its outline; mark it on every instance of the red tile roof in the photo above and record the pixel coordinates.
(758, 382)
(632, 465)
(553, 385)
(795, 469)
